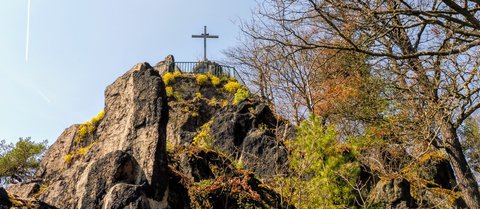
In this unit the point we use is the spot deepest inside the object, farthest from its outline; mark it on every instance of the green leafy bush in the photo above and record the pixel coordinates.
(232, 86)
(202, 80)
(242, 94)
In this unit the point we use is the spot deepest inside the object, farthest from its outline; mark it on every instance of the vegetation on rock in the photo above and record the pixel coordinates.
(324, 169)
(19, 162)
(203, 138)
(241, 94)
(168, 78)
(89, 127)
(232, 86)
(202, 80)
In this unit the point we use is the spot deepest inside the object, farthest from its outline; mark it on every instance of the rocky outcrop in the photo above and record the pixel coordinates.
(167, 65)
(127, 150)
(247, 132)
(207, 179)
(119, 160)
(10, 201)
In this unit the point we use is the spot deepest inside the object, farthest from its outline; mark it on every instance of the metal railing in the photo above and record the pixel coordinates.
(208, 67)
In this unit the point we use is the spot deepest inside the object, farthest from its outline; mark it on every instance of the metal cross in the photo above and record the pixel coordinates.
(204, 35)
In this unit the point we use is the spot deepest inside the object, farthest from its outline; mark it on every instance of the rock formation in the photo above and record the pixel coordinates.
(119, 160)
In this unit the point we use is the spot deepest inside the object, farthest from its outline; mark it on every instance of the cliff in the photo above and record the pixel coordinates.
(154, 148)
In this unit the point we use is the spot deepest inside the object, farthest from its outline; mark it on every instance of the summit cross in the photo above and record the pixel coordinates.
(204, 35)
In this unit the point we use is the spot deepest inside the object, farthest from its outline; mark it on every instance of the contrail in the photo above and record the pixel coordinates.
(28, 32)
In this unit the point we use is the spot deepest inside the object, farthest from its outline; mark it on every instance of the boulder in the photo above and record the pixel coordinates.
(127, 147)
(248, 133)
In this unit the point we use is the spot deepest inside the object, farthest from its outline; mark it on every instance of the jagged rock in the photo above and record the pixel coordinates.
(248, 133)
(24, 189)
(206, 179)
(4, 199)
(128, 147)
(114, 168)
(122, 162)
(167, 65)
(393, 193)
(10, 201)
(188, 112)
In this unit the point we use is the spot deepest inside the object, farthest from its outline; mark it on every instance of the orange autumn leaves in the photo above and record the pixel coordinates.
(340, 82)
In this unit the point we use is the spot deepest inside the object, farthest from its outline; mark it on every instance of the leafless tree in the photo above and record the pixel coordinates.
(427, 49)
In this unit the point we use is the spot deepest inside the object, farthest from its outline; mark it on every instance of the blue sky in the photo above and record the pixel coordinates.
(77, 48)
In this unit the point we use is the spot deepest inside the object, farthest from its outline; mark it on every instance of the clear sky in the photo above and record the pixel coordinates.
(77, 48)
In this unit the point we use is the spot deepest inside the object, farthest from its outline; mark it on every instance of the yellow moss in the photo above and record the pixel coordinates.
(202, 79)
(195, 114)
(68, 158)
(224, 103)
(198, 95)
(232, 86)
(213, 102)
(77, 153)
(95, 120)
(242, 94)
(215, 80)
(451, 195)
(177, 73)
(169, 91)
(168, 78)
(435, 156)
(89, 127)
(203, 138)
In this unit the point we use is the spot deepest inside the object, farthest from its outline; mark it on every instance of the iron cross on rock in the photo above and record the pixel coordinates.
(204, 35)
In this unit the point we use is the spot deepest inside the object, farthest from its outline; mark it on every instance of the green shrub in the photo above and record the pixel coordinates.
(19, 161)
(242, 94)
(168, 78)
(215, 80)
(232, 86)
(330, 164)
(169, 91)
(202, 79)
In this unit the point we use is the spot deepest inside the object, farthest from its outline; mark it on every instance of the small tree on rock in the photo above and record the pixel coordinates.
(19, 162)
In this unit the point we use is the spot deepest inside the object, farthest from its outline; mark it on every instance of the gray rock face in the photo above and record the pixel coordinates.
(4, 200)
(126, 151)
(248, 133)
(167, 65)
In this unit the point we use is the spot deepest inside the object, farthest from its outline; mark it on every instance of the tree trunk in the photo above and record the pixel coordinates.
(466, 181)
